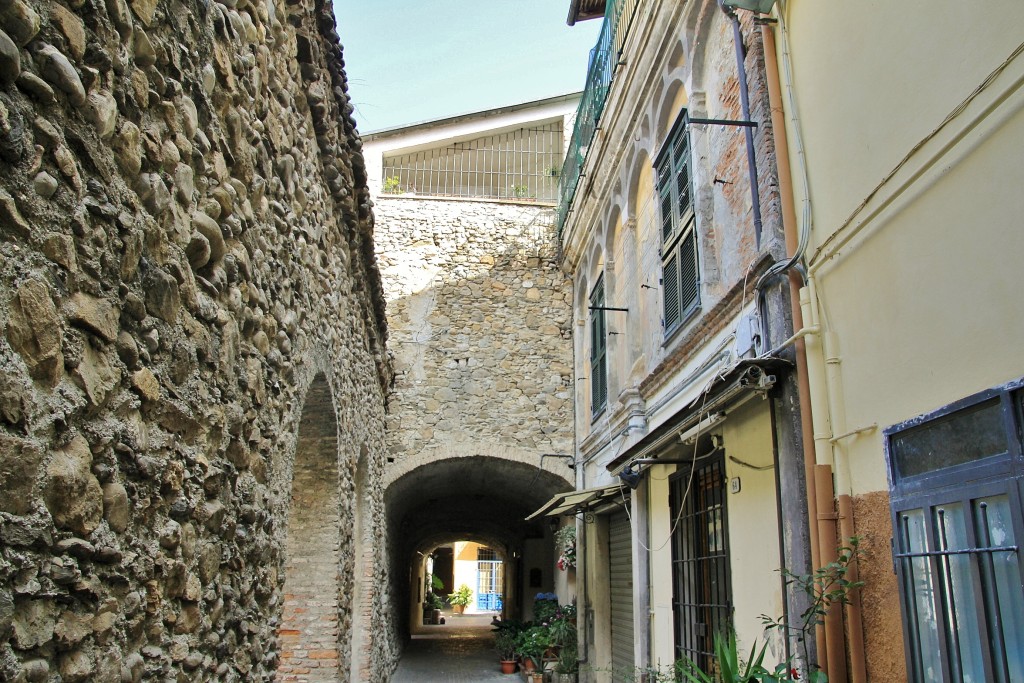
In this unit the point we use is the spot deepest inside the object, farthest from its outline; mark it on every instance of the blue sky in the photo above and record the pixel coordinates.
(409, 61)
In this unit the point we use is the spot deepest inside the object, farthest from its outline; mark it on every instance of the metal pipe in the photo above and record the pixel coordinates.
(790, 230)
(755, 196)
(835, 663)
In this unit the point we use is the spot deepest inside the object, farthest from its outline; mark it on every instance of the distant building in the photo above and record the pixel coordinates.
(480, 420)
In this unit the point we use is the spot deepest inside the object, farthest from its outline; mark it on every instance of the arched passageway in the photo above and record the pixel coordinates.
(309, 636)
(478, 498)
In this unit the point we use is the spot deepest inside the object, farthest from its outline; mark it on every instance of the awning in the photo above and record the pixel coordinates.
(746, 376)
(572, 502)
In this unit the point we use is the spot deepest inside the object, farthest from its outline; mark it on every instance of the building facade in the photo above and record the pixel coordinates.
(764, 376)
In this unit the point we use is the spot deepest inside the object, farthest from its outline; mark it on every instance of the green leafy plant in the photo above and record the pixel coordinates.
(565, 545)
(463, 596)
(568, 659)
(519, 190)
(825, 586)
(545, 605)
(434, 601)
(533, 643)
(505, 644)
(392, 185)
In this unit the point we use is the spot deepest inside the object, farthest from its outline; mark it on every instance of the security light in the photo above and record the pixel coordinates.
(630, 477)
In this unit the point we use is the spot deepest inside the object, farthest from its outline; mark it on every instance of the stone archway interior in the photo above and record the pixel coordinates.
(308, 635)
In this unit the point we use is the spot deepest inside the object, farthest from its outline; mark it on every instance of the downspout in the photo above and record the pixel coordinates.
(789, 225)
(755, 198)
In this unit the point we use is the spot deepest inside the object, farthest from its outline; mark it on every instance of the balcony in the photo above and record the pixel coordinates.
(604, 59)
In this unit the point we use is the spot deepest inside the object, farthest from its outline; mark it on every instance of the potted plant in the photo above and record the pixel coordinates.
(432, 608)
(460, 598)
(565, 546)
(531, 646)
(505, 646)
(568, 664)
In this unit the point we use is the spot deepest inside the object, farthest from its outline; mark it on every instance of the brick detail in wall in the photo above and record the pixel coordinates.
(309, 632)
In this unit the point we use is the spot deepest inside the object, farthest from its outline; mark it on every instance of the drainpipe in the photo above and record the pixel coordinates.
(755, 198)
(789, 225)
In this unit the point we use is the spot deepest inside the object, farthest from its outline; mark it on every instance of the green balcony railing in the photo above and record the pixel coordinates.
(604, 59)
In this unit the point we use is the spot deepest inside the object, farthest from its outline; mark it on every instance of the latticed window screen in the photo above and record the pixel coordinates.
(521, 164)
(680, 276)
(702, 595)
(598, 349)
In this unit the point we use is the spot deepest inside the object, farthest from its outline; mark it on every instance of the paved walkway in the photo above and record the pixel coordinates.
(460, 651)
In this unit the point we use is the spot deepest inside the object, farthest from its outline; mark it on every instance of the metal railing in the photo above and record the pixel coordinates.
(604, 59)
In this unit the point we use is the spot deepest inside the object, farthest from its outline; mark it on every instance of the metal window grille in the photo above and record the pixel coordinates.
(702, 599)
(522, 164)
(490, 579)
(957, 476)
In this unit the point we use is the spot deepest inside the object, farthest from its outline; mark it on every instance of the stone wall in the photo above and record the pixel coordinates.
(186, 242)
(479, 317)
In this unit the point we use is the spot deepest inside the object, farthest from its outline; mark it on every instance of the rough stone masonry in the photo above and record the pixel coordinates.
(186, 243)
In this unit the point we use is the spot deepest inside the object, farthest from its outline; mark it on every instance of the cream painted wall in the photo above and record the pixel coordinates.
(662, 620)
(466, 568)
(952, 254)
(753, 520)
(873, 78)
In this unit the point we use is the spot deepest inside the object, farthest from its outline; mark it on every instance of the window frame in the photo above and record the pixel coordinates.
(959, 485)
(677, 229)
(598, 349)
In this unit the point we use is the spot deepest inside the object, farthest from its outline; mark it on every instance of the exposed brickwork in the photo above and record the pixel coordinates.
(309, 636)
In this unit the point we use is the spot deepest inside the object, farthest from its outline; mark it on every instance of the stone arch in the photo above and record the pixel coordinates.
(466, 495)
(309, 636)
(675, 98)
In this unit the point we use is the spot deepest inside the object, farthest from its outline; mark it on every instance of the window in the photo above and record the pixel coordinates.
(702, 587)
(680, 277)
(598, 350)
(956, 480)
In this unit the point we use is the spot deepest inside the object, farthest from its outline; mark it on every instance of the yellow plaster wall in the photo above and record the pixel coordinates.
(466, 568)
(753, 520)
(662, 624)
(928, 307)
(871, 79)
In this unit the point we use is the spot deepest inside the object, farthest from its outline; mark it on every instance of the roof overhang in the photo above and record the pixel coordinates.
(573, 502)
(581, 10)
(744, 379)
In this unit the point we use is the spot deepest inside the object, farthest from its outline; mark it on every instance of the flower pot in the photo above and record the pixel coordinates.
(458, 609)
(528, 665)
(508, 666)
(565, 678)
(536, 677)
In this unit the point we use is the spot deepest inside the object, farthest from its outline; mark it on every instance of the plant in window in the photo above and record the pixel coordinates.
(392, 185)
(519, 190)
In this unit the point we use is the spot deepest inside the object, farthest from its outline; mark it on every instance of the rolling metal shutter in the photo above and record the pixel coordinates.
(620, 571)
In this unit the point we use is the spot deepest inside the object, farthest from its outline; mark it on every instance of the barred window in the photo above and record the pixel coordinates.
(521, 164)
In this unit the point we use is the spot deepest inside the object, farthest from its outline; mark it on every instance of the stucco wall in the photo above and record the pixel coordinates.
(185, 233)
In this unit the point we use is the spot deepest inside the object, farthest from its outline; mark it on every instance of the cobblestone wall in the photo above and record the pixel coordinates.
(186, 242)
(479, 315)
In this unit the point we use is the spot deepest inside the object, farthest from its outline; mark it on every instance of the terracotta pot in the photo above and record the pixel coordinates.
(458, 609)
(508, 666)
(528, 665)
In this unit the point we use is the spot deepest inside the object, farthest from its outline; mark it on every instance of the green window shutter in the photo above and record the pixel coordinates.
(689, 284)
(680, 275)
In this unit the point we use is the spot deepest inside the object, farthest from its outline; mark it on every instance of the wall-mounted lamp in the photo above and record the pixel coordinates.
(762, 6)
(631, 477)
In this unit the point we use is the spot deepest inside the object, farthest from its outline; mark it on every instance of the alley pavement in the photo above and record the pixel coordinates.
(459, 651)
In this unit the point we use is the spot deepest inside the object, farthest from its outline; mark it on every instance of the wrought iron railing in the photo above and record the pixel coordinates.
(604, 59)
